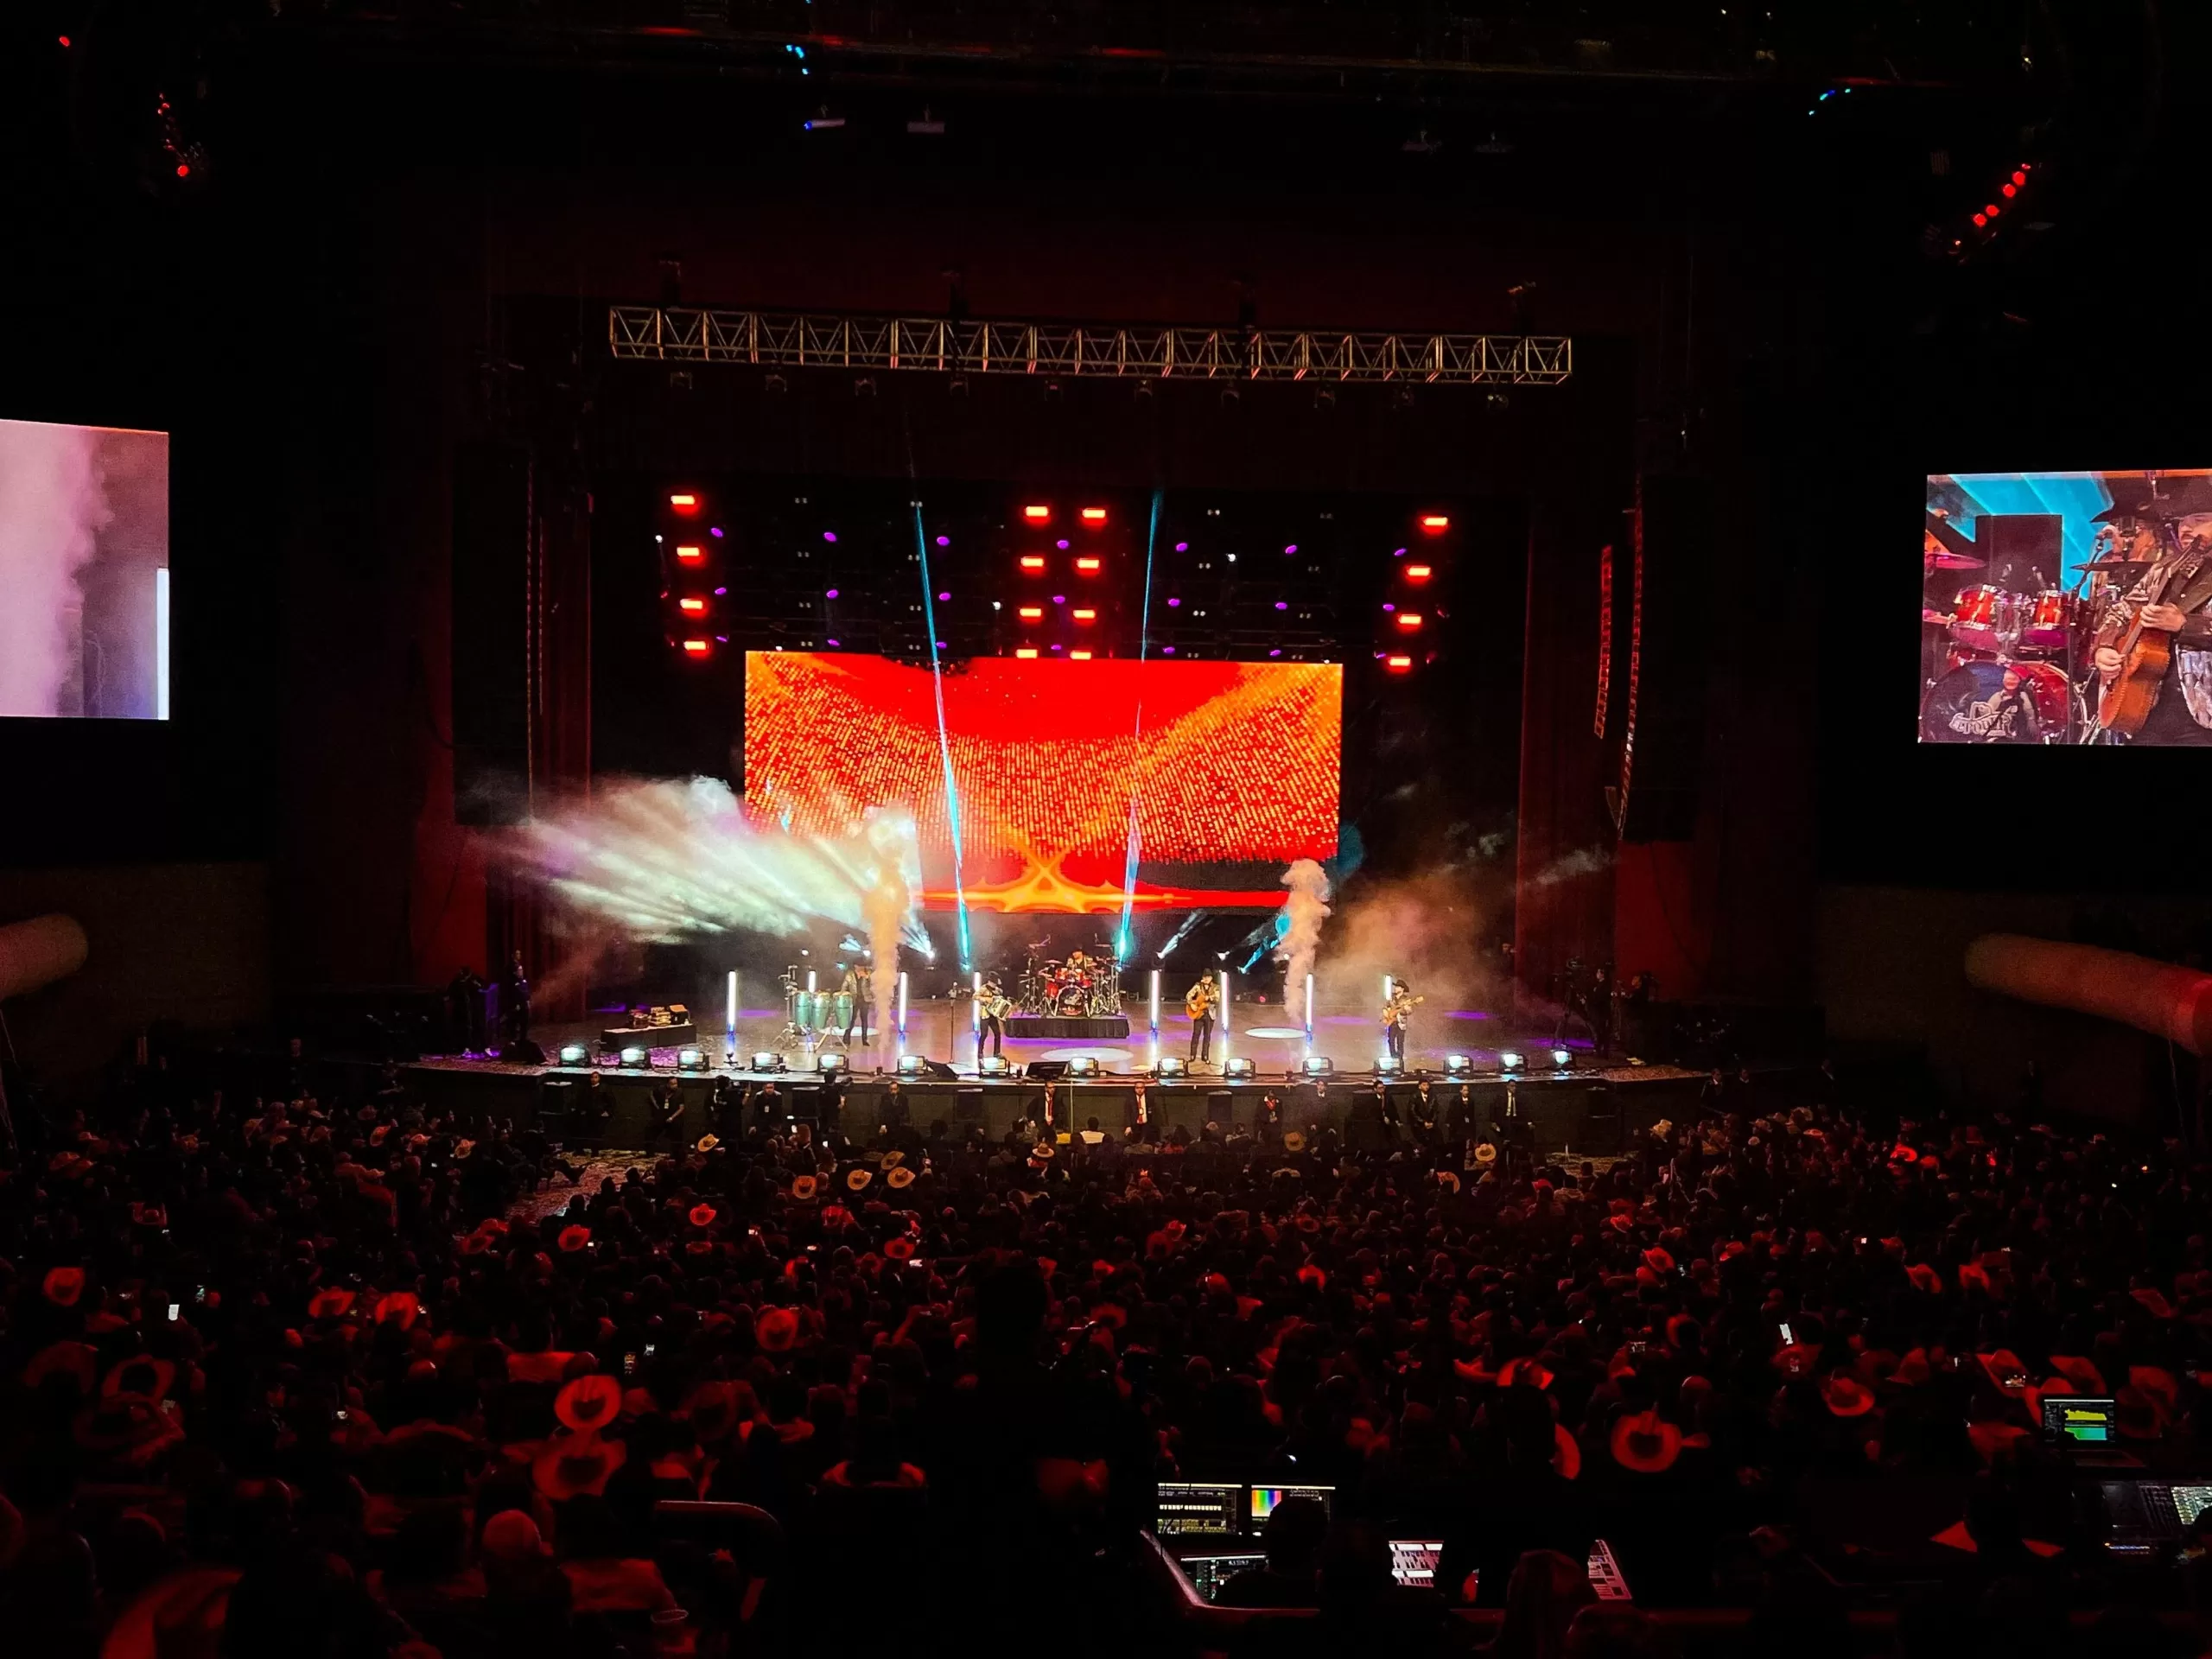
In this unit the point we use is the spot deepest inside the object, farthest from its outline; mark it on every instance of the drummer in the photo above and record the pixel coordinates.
(860, 985)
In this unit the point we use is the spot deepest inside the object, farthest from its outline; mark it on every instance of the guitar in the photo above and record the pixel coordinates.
(1197, 1002)
(2145, 654)
(1395, 1011)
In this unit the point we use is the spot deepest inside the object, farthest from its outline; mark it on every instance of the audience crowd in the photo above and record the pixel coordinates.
(306, 1376)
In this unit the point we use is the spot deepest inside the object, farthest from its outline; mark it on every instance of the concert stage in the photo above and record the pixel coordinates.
(1580, 1107)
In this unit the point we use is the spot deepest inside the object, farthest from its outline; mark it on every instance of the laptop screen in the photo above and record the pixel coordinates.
(1412, 1562)
(1210, 1573)
(2085, 1419)
(1264, 1498)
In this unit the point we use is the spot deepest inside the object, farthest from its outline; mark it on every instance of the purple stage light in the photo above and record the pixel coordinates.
(834, 643)
(1182, 547)
(1282, 604)
(828, 535)
(719, 592)
(1291, 548)
(1062, 545)
(945, 541)
(1059, 599)
(1387, 605)
(1277, 652)
(1174, 602)
(1399, 554)
(715, 531)
(832, 594)
(943, 598)
(1167, 651)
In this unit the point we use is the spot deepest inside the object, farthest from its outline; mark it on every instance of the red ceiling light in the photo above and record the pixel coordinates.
(1033, 561)
(1980, 219)
(1399, 664)
(1435, 524)
(695, 647)
(1417, 572)
(2010, 191)
(1094, 515)
(690, 555)
(1409, 620)
(692, 607)
(1033, 613)
(684, 503)
(1038, 515)
(1079, 656)
(1026, 653)
(1086, 616)
(1088, 566)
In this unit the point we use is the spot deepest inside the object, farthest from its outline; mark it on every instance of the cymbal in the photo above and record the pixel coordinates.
(2107, 567)
(1952, 562)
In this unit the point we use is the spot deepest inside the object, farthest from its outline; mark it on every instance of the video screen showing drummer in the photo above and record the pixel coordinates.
(2067, 607)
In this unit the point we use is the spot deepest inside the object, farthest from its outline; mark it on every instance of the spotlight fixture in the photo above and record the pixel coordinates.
(633, 1056)
(1319, 1065)
(1079, 656)
(1038, 515)
(1457, 1065)
(1399, 664)
(1083, 1066)
(574, 1054)
(993, 1066)
(764, 1061)
(914, 1065)
(1388, 1066)
(690, 1059)
(1562, 1059)
(1434, 524)
(1509, 1060)
(1242, 1068)
(1024, 652)
(1418, 573)
(1094, 515)
(1171, 1065)
(1035, 562)
(689, 555)
(827, 1064)
(685, 504)
(1088, 564)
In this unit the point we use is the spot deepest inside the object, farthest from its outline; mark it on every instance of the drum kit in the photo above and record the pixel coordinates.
(1083, 985)
(2033, 635)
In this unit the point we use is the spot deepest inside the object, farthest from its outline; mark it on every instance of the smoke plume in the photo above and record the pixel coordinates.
(1430, 931)
(50, 504)
(1307, 906)
(888, 904)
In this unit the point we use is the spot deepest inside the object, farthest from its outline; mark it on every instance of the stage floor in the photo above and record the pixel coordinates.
(941, 1031)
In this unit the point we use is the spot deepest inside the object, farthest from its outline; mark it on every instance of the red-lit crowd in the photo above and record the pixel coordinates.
(303, 1376)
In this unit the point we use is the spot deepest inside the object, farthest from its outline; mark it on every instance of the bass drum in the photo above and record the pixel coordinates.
(1961, 708)
(1069, 1002)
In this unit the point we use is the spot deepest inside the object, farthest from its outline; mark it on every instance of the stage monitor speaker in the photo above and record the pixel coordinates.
(968, 1105)
(942, 1072)
(1221, 1107)
(524, 1052)
(1669, 616)
(1045, 1070)
(490, 634)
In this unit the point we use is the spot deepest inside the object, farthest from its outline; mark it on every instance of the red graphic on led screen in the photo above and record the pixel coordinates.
(1232, 766)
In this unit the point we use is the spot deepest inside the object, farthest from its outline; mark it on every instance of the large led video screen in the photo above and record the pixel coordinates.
(1057, 776)
(2067, 609)
(84, 572)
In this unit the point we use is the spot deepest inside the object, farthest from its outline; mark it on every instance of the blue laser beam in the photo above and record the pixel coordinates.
(943, 741)
(1121, 940)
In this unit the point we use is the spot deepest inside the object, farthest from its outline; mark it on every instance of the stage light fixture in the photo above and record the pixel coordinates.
(1509, 1060)
(827, 1064)
(1457, 1065)
(1242, 1068)
(1562, 1059)
(1032, 613)
(764, 1061)
(1085, 614)
(1038, 515)
(1035, 562)
(1319, 1066)
(1435, 524)
(696, 648)
(1094, 515)
(824, 122)
(690, 1059)
(1409, 620)
(1388, 1066)
(914, 1065)
(691, 555)
(1079, 656)
(691, 605)
(1399, 664)
(1083, 1066)
(1418, 573)
(1026, 653)
(574, 1054)
(1088, 564)
(684, 504)
(1172, 1066)
(992, 1066)
(633, 1056)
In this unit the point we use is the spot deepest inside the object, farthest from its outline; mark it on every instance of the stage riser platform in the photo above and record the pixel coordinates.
(1575, 1113)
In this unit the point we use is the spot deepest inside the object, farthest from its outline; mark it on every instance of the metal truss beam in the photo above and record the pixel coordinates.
(682, 335)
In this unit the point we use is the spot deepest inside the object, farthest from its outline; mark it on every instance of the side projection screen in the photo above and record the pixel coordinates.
(2067, 609)
(1058, 778)
(84, 572)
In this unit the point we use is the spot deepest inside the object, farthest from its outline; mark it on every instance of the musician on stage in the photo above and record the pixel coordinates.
(1395, 1013)
(860, 985)
(2182, 717)
(993, 1004)
(1198, 1003)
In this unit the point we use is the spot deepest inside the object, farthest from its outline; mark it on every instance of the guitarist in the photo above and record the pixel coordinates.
(2181, 717)
(1198, 1004)
(1395, 1013)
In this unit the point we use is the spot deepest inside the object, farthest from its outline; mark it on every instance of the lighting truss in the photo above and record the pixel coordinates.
(682, 335)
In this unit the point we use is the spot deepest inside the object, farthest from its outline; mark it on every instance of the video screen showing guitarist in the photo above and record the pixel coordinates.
(2153, 654)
